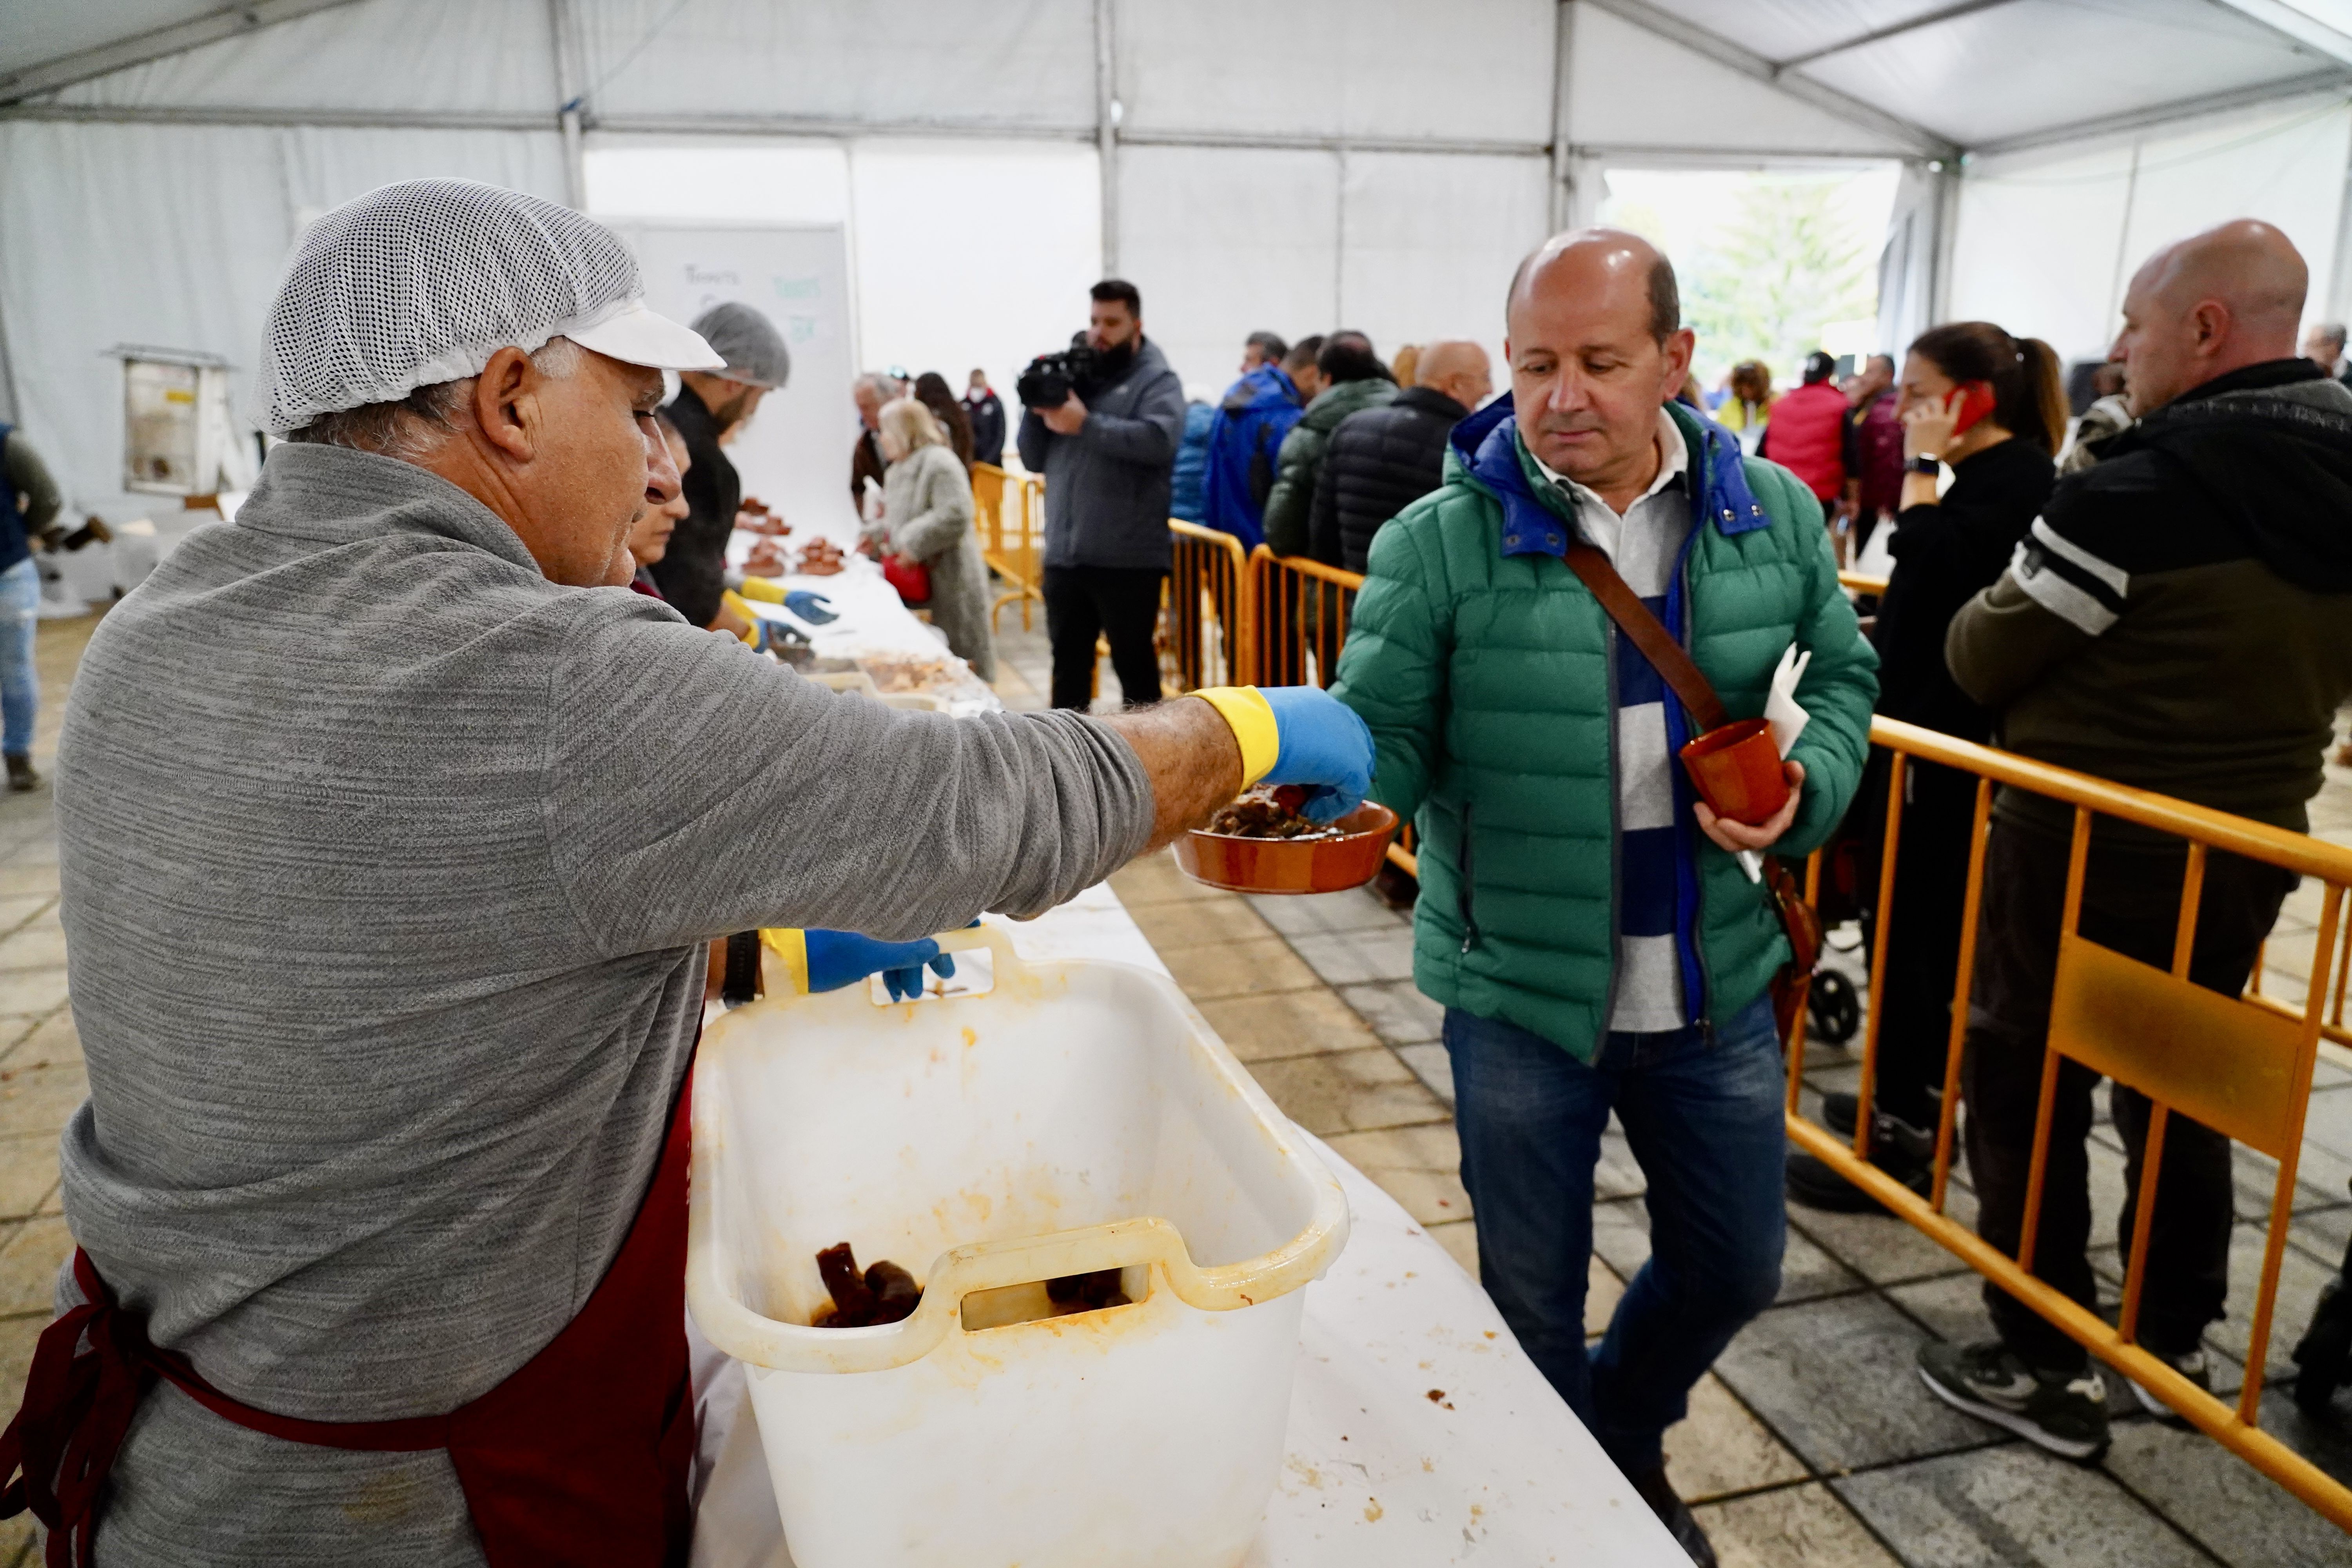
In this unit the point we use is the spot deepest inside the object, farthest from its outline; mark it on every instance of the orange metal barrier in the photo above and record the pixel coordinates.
(1208, 618)
(2241, 1065)
(1304, 608)
(1009, 512)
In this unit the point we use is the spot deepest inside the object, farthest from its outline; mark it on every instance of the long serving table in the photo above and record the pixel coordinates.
(1420, 1433)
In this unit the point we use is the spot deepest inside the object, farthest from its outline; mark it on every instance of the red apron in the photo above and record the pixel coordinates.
(580, 1458)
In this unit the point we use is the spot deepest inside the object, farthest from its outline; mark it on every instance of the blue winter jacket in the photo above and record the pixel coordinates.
(1184, 498)
(1244, 437)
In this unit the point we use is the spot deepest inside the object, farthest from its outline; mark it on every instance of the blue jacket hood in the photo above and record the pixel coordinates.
(1268, 386)
(1487, 448)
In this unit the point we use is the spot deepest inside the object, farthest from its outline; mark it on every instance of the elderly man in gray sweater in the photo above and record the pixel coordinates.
(391, 838)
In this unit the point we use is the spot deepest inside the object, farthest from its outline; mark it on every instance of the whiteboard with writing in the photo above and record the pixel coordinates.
(794, 455)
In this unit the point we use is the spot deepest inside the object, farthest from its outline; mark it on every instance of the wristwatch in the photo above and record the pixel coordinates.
(1927, 464)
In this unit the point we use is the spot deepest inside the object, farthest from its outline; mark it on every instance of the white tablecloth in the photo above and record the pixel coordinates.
(1376, 1472)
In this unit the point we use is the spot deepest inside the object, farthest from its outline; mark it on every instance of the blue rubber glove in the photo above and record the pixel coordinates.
(814, 608)
(1325, 747)
(839, 958)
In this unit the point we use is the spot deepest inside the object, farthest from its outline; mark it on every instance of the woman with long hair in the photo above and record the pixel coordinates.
(1748, 404)
(927, 511)
(946, 409)
(1992, 408)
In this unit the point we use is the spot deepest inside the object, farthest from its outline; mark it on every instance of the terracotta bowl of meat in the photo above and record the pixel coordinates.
(1260, 845)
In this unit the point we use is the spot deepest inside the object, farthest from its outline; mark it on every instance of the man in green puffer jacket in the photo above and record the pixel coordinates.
(1584, 921)
(1356, 380)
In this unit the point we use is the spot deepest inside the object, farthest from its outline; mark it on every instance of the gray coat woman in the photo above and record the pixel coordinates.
(927, 516)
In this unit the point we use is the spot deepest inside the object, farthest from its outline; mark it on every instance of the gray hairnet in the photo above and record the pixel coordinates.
(754, 351)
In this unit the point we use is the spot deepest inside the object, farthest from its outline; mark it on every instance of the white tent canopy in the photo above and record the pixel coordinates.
(1295, 166)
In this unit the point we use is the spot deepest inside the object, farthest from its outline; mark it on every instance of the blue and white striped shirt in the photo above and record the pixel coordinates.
(1645, 545)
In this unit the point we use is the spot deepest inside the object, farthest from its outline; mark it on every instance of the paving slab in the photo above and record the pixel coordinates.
(2300, 1281)
(29, 1264)
(29, 1177)
(1191, 922)
(1720, 1447)
(1357, 957)
(1807, 1525)
(38, 1099)
(1397, 1011)
(2015, 1506)
(1245, 968)
(1432, 1065)
(1838, 1379)
(52, 1040)
(1880, 1248)
(1320, 914)
(2236, 1512)
(32, 992)
(1281, 1024)
(1347, 1091)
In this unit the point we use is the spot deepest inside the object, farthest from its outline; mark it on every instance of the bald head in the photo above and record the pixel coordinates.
(2212, 303)
(1613, 258)
(1458, 368)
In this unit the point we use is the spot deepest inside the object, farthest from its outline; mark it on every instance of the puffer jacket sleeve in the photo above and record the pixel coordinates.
(1392, 670)
(1287, 504)
(1839, 690)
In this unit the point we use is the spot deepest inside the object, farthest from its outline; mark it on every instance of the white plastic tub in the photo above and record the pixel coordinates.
(1079, 1116)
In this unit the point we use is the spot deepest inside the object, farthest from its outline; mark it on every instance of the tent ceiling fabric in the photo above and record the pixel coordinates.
(1970, 72)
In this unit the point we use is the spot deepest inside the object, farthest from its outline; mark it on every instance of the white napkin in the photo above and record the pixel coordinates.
(1786, 718)
(1788, 721)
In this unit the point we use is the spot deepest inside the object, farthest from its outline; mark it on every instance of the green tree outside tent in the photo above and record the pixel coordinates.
(1787, 263)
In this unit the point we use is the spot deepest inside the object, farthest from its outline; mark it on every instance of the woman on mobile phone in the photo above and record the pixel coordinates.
(1992, 408)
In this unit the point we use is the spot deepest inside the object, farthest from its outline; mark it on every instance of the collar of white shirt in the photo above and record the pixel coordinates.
(1596, 515)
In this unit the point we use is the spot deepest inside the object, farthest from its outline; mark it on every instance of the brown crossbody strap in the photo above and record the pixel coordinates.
(1666, 656)
(1675, 667)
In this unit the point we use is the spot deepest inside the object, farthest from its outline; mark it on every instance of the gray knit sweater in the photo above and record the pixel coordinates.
(386, 861)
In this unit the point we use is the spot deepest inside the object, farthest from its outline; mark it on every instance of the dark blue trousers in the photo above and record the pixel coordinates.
(1704, 1121)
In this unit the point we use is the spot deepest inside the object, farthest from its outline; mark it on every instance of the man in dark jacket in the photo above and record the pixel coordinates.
(1109, 455)
(1353, 379)
(693, 572)
(1382, 460)
(986, 412)
(2174, 621)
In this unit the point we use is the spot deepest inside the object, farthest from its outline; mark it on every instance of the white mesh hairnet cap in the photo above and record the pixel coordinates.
(422, 282)
(754, 351)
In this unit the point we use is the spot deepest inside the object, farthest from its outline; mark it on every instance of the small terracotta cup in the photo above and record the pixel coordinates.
(1736, 771)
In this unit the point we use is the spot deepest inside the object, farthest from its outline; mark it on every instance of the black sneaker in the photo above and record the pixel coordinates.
(2192, 1366)
(21, 776)
(1903, 1151)
(1675, 1515)
(2324, 1354)
(1839, 1113)
(2066, 1416)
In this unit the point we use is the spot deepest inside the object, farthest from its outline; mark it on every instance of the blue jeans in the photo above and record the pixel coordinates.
(1704, 1121)
(20, 688)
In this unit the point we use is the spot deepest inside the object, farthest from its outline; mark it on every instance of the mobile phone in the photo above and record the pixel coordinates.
(1976, 403)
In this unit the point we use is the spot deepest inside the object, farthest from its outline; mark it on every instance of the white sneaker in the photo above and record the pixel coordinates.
(2193, 1367)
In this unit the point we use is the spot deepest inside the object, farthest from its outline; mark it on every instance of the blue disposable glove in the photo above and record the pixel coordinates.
(839, 958)
(814, 608)
(1325, 747)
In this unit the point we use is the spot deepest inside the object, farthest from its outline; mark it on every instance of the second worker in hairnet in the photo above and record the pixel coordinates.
(693, 573)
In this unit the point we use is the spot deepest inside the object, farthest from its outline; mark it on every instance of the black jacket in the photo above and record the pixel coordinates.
(693, 572)
(1379, 461)
(1944, 556)
(986, 413)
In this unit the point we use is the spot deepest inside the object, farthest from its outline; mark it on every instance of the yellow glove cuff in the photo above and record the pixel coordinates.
(761, 589)
(1244, 709)
(751, 618)
(790, 945)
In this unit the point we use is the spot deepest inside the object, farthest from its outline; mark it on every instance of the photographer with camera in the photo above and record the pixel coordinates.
(1101, 421)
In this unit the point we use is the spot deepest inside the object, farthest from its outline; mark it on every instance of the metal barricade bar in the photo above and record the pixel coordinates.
(2241, 1065)
(1208, 614)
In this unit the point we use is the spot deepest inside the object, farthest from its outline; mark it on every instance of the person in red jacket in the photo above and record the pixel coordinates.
(1807, 433)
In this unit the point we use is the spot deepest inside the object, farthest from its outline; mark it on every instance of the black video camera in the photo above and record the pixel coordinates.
(1051, 378)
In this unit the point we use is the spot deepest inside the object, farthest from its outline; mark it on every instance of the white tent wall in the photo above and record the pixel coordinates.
(2048, 239)
(173, 236)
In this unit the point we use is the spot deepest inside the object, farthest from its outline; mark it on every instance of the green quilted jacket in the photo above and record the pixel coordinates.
(1298, 463)
(1483, 667)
